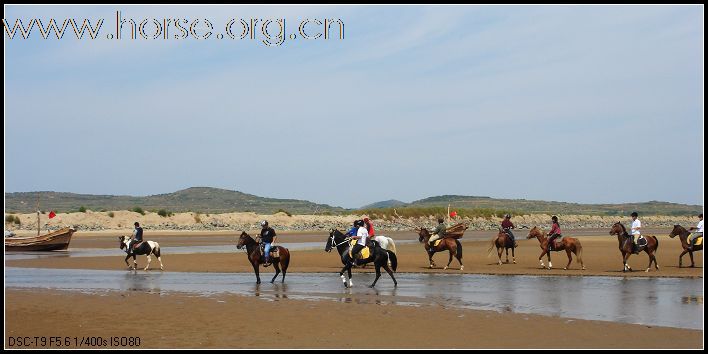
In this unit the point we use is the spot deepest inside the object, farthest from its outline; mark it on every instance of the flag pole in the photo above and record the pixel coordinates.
(38, 215)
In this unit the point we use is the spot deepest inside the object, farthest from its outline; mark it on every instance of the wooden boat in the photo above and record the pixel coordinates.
(57, 240)
(456, 231)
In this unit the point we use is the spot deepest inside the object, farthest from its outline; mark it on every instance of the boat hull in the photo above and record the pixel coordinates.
(57, 240)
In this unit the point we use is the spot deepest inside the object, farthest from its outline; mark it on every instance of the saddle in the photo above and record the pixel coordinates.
(639, 245)
(274, 252)
(554, 245)
(364, 254)
(436, 243)
(698, 242)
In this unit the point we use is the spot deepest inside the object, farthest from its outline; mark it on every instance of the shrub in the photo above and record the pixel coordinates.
(139, 210)
(197, 218)
(17, 220)
(164, 213)
(110, 214)
(82, 209)
(284, 211)
(9, 218)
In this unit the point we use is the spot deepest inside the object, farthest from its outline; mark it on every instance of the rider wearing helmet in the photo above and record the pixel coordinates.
(438, 232)
(507, 225)
(355, 228)
(369, 227)
(267, 236)
(554, 233)
(636, 228)
(361, 236)
(697, 232)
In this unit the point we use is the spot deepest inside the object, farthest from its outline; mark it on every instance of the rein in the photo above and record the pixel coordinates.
(335, 245)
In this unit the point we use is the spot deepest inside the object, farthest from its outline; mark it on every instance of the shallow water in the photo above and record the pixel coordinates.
(670, 302)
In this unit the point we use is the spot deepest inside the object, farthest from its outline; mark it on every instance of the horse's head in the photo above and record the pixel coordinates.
(243, 240)
(678, 230)
(618, 229)
(123, 243)
(422, 234)
(535, 232)
(333, 233)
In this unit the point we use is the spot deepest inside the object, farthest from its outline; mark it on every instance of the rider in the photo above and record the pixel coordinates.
(636, 226)
(353, 230)
(136, 238)
(696, 234)
(438, 232)
(507, 225)
(369, 227)
(361, 236)
(554, 233)
(267, 236)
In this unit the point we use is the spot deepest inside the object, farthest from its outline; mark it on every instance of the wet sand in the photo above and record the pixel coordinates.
(600, 255)
(176, 320)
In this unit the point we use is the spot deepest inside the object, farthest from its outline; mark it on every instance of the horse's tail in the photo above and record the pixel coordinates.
(394, 260)
(459, 248)
(657, 243)
(579, 258)
(392, 245)
(491, 246)
(156, 251)
(286, 261)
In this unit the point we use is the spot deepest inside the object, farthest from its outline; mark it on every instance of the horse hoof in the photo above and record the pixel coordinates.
(462, 267)
(647, 271)
(583, 268)
(514, 262)
(445, 268)
(431, 266)
(371, 286)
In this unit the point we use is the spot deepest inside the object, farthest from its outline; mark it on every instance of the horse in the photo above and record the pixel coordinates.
(379, 256)
(253, 254)
(453, 246)
(625, 246)
(146, 247)
(569, 244)
(503, 242)
(683, 236)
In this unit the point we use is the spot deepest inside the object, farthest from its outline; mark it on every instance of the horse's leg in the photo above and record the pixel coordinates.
(499, 253)
(550, 265)
(377, 266)
(507, 255)
(513, 256)
(126, 262)
(284, 265)
(570, 258)
(430, 258)
(681, 257)
(540, 258)
(626, 259)
(148, 263)
(254, 263)
(691, 254)
(450, 251)
(135, 262)
(651, 259)
(341, 273)
(277, 270)
(349, 272)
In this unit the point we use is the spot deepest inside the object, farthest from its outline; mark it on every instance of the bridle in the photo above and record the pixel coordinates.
(334, 244)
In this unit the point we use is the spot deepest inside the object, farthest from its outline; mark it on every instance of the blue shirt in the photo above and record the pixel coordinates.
(352, 231)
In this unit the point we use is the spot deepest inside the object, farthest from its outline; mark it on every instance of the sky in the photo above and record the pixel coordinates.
(586, 104)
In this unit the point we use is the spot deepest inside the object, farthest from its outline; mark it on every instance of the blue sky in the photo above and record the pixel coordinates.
(589, 104)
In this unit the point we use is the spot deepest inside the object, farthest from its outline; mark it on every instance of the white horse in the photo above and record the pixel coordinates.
(386, 243)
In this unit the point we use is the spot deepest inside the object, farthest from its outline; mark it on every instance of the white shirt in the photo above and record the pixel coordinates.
(636, 224)
(699, 228)
(364, 233)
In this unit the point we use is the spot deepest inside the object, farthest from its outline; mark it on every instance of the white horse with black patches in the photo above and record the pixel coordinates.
(146, 247)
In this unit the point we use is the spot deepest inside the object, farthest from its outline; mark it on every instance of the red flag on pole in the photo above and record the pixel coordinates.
(52, 214)
(453, 214)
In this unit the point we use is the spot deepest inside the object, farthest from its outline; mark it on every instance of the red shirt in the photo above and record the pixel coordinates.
(370, 228)
(507, 224)
(556, 229)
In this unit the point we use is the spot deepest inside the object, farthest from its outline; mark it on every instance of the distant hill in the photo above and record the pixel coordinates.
(385, 204)
(215, 200)
(551, 207)
(198, 199)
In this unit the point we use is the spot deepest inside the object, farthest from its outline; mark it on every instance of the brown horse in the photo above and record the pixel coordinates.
(569, 244)
(683, 236)
(453, 246)
(253, 253)
(503, 243)
(626, 246)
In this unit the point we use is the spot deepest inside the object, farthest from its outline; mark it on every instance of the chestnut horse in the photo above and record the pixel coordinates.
(503, 242)
(626, 246)
(253, 253)
(569, 244)
(683, 236)
(453, 246)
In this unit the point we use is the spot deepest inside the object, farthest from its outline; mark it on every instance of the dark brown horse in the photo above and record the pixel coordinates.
(453, 246)
(569, 244)
(683, 236)
(253, 252)
(626, 246)
(503, 242)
